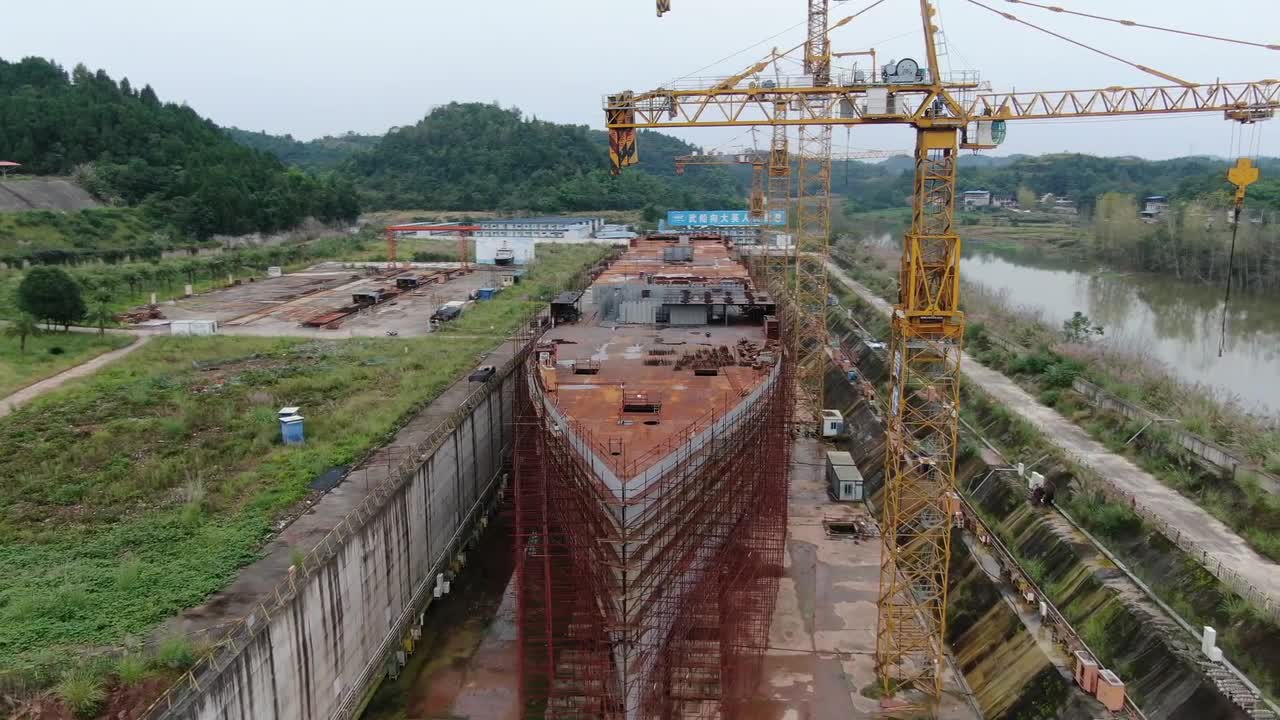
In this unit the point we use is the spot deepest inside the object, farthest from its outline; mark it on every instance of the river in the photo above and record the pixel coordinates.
(1175, 322)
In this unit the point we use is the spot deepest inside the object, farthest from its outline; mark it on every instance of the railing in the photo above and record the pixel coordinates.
(1203, 448)
(1264, 602)
(1051, 614)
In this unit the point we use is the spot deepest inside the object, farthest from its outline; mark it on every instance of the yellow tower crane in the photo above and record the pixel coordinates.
(927, 324)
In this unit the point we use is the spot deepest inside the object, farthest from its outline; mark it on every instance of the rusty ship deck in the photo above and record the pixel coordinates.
(651, 470)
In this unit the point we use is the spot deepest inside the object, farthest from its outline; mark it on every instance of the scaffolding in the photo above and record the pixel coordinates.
(646, 585)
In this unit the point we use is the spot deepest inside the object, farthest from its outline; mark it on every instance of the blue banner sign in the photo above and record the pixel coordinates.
(723, 218)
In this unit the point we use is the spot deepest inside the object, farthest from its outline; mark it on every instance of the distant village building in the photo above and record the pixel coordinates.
(1058, 204)
(1004, 201)
(976, 199)
(1154, 208)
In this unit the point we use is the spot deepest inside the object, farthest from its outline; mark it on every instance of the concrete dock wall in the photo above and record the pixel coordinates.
(314, 647)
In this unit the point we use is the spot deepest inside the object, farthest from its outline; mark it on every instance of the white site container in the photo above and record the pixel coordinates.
(832, 423)
(193, 327)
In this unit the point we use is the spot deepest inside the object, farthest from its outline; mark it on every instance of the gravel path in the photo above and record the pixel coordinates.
(35, 390)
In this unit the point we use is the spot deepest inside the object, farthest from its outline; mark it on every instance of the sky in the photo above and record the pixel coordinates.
(325, 67)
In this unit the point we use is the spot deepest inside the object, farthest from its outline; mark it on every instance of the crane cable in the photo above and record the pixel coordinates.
(1104, 53)
(1132, 23)
(780, 55)
(1242, 181)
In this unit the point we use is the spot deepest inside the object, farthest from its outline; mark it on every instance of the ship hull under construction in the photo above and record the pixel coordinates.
(650, 488)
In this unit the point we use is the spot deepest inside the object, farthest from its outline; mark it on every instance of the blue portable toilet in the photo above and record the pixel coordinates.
(290, 426)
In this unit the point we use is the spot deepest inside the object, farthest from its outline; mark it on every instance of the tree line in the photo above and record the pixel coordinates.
(474, 156)
(128, 147)
(1192, 242)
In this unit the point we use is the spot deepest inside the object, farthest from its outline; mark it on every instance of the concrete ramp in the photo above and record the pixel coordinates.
(44, 194)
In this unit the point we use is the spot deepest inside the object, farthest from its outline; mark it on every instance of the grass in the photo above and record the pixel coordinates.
(1178, 579)
(167, 277)
(123, 229)
(137, 493)
(82, 692)
(42, 360)
(133, 494)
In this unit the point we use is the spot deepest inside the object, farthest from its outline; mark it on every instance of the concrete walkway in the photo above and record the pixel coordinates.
(822, 638)
(49, 384)
(1226, 550)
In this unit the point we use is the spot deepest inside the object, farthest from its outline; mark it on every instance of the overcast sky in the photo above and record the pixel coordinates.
(323, 66)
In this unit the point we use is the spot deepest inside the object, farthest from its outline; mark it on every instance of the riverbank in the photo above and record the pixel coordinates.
(1168, 569)
(1242, 499)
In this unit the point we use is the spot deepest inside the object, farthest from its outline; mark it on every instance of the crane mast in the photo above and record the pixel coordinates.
(777, 196)
(808, 322)
(927, 325)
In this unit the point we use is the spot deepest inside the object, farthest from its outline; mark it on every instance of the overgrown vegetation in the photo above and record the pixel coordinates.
(47, 354)
(556, 267)
(1249, 639)
(108, 234)
(1239, 500)
(127, 147)
(126, 285)
(137, 492)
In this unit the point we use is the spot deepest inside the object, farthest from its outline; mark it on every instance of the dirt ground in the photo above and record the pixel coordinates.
(279, 306)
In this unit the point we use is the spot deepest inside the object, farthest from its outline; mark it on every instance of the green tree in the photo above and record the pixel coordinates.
(51, 294)
(183, 170)
(22, 327)
(1026, 198)
(100, 314)
(1080, 329)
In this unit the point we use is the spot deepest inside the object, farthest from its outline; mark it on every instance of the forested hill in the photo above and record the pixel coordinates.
(471, 156)
(128, 147)
(1081, 177)
(324, 153)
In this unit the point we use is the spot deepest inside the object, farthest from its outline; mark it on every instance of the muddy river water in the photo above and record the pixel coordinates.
(1175, 322)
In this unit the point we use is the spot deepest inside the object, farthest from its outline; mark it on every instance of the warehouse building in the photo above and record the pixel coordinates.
(553, 228)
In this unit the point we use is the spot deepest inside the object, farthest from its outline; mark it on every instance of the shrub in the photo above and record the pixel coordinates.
(1031, 364)
(56, 350)
(131, 669)
(1050, 397)
(1060, 375)
(176, 653)
(129, 574)
(82, 692)
(1107, 518)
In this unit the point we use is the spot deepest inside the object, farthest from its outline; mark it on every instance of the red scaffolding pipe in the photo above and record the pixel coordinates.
(650, 602)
